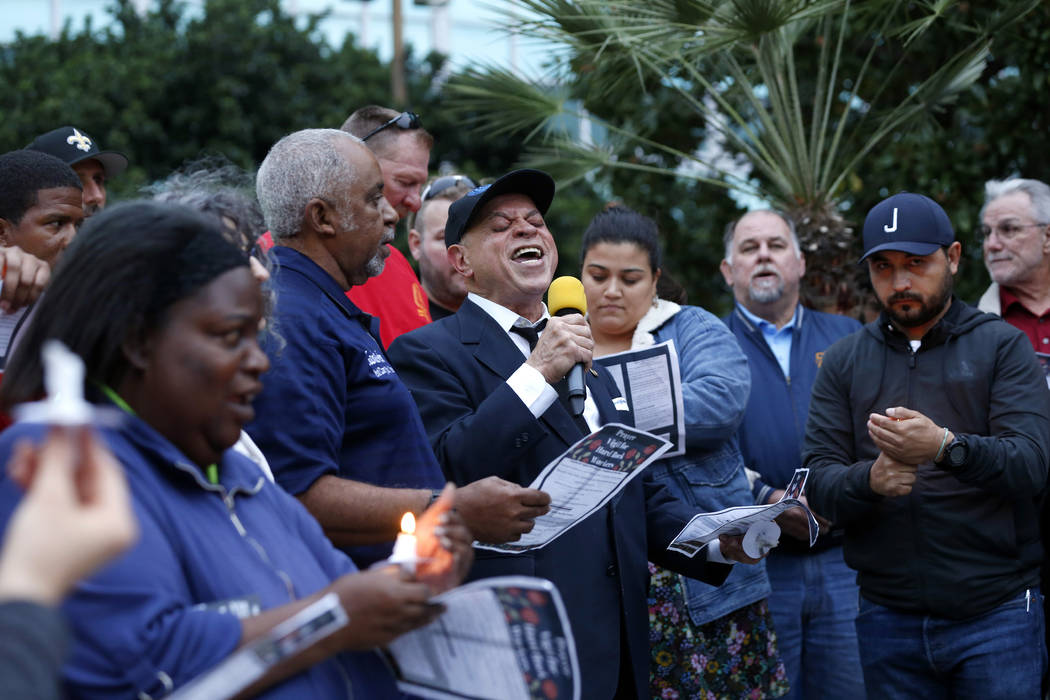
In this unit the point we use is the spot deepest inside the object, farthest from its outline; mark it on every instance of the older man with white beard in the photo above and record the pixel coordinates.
(814, 598)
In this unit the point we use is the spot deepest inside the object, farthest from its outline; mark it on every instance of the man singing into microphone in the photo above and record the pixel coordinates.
(488, 381)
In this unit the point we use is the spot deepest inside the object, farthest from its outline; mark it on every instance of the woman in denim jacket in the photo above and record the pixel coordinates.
(705, 641)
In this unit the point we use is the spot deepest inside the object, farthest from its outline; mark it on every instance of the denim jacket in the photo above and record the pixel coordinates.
(710, 475)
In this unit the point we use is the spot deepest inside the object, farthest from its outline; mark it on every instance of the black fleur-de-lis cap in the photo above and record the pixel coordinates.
(73, 145)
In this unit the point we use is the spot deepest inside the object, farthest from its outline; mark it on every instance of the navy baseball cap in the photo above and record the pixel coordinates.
(907, 222)
(71, 146)
(535, 184)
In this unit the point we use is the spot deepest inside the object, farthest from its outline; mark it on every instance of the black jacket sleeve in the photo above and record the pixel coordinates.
(1012, 458)
(838, 487)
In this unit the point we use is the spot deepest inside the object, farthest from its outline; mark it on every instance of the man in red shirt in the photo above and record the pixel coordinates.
(402, 147)
(1015, 225)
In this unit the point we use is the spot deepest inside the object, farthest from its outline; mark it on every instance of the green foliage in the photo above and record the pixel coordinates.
(811, 93)
(171, 85)
(999, 128)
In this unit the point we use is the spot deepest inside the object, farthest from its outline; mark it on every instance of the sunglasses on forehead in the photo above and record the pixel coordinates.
(405, 120)
(443, 183)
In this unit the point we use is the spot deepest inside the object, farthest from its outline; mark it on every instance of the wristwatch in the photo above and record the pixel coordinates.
(956, 454)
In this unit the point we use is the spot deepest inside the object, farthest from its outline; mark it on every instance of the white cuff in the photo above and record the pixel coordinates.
(714, 553)
(533, 390)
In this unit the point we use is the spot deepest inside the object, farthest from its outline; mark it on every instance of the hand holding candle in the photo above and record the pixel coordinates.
(443, 545)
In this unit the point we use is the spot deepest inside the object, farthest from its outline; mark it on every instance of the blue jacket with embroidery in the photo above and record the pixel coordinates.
(168, 609)
(331, 403)
(774, 424)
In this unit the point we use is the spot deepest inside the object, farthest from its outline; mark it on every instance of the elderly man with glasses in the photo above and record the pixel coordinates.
(1015, 227)
(402, 146)
(446, 289)
(1015, 232)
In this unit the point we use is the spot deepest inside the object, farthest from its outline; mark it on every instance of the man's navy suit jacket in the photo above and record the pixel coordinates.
(456, 369)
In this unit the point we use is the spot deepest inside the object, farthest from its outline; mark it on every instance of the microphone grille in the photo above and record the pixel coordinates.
(566, 293)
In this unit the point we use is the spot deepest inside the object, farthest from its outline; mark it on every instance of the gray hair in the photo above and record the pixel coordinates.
(301, 166)
(727, 236)
(215, 186)
(1038, 193)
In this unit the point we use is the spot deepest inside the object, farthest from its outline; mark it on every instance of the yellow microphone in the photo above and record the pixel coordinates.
(564, 297)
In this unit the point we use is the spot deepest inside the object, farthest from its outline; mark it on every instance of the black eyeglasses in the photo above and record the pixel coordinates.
(443, 183)
(405, 120)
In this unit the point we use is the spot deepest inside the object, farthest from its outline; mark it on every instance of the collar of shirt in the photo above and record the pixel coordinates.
(507, 318)
(778, 340)
(1008, 300)
(768, 329)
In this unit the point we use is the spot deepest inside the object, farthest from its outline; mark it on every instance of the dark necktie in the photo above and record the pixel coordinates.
(530, 333)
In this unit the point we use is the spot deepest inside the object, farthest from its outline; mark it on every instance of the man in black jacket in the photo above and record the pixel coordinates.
(928, 439)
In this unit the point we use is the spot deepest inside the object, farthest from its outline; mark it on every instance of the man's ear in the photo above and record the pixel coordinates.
(415, 243)
(954, 252)
(320, 217)
(459, 259)
(727, 272)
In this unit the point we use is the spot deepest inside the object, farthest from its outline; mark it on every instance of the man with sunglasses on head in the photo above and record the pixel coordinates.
(402, 146)
(446, 289)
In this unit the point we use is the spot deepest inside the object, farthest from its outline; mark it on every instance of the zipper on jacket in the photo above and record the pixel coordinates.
(259, 549)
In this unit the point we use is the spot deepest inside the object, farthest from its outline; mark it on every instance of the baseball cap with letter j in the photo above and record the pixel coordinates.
(909, 223)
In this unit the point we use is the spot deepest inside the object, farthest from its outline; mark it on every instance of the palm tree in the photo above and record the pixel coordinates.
(802, 90)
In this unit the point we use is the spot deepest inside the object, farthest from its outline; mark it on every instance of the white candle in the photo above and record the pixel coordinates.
(405, 545)
(64, 384)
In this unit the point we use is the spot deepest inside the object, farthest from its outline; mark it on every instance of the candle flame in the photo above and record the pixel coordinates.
(408, 523)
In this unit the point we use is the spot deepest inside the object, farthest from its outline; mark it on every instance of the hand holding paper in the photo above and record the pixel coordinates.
(794, 522)
(498, 511)
(705, 527)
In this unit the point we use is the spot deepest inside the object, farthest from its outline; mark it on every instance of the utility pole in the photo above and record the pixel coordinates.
(397, 65)
(56, 19)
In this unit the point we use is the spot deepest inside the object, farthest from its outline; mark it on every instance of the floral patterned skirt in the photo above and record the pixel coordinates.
(732, 657)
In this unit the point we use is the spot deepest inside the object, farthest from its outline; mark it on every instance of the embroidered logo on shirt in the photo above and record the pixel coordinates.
(378, 364)
(620, 404)
(819, 357)
(419, 298)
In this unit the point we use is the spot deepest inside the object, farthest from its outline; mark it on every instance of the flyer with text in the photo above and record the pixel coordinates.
(651, 382)
(503, 638)
(706, 527)
(583, 479)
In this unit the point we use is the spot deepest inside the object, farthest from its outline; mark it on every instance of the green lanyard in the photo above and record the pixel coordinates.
(212, 472)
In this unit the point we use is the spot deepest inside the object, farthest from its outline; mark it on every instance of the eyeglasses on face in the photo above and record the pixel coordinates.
(1004, 230)
(443, 183)
(405, 121)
